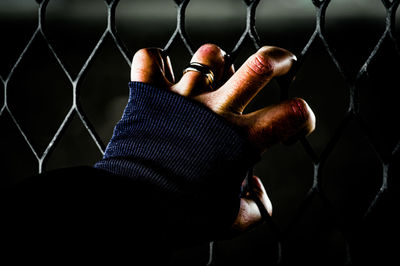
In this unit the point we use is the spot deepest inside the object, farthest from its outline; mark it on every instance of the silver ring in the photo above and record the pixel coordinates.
(203, 69)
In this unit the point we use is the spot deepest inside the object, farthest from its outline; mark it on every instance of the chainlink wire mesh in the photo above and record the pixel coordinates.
(353, 238)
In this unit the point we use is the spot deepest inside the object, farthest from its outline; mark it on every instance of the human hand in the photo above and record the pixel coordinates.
(228, 96)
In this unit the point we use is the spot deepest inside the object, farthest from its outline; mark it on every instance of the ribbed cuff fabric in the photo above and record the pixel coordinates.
(177, 144)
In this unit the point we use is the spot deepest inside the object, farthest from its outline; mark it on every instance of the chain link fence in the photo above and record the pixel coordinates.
(338, 211)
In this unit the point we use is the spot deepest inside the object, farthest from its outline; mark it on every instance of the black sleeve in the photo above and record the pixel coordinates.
(84, 214)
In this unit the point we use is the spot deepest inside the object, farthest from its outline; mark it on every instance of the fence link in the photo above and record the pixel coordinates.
(387, 156)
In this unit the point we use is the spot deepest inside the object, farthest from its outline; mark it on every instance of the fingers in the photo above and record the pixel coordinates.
(151, 66)
(278, 123)
(251, 77)
(192, 82)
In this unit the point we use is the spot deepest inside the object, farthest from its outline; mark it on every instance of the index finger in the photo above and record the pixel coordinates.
(151, 65)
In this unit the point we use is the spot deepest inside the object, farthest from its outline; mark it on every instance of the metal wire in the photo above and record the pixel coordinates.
(250, 33)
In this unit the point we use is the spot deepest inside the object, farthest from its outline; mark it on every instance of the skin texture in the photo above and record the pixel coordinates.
(230, 94)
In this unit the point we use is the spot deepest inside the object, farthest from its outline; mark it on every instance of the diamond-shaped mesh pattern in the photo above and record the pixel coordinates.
(353, 114)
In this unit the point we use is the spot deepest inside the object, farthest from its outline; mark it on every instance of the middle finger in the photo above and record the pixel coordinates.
(251, 77)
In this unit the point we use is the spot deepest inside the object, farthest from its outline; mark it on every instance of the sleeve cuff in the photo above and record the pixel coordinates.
(178, 145)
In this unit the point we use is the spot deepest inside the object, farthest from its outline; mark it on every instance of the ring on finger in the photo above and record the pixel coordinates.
(203, 69)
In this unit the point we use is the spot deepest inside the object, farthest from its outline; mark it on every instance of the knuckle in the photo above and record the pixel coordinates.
(260, 65)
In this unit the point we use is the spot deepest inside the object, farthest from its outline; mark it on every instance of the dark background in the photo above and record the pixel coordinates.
(39, 96)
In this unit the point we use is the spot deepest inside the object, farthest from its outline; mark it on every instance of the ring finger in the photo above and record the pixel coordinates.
(194, 82)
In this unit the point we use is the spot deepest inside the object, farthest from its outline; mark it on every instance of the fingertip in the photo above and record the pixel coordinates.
(280, 58)
(257, 180)
(293, 57)
(303, 111)
(306, 119)
(285, 122)
(144, 64)
(312, 119)
(213, 56)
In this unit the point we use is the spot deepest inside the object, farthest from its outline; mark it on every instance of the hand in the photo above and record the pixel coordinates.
(229, 95)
